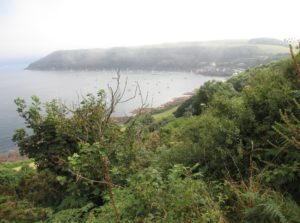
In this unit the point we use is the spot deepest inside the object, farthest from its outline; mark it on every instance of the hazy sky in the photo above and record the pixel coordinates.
(37, 27)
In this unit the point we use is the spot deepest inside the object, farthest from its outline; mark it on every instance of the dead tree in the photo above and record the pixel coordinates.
(109, 186)
(295, 60)
(116, 96)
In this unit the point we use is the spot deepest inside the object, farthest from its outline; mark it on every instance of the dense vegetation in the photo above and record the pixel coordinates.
(208, 58)
(232, 154)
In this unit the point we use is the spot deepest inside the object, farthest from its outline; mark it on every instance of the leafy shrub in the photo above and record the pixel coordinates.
(180, 197)
(255, 203)
(197, 104)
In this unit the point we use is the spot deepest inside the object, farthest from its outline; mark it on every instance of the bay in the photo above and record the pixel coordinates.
(68, 86)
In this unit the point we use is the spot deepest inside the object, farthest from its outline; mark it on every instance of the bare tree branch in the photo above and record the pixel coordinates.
(295, 61)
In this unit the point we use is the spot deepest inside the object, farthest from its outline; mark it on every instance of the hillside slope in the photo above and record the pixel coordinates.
(208, 58)
(231, 155)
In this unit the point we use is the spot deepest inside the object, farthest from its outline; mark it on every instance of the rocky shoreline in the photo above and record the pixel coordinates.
(173, 102)
(14, 155)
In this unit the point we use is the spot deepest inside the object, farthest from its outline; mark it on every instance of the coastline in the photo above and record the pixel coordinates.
(14, 155)
(173, 102)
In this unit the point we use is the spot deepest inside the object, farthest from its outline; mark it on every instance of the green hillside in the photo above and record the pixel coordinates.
(232, 154)
(220, 57)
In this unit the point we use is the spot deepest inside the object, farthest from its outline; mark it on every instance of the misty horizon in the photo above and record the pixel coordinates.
(27, 59)
(36, 28)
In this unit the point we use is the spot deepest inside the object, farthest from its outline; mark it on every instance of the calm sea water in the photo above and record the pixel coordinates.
(161, 87)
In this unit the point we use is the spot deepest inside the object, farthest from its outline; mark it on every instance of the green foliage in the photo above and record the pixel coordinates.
(185, 109)
(207, 92)
(12, 208)
(232, 155)
(208, 140)
(181, 196)
(255, 203)
(74, 215)
(42, 189)
(11, 174)
(47, 144)
(267, 93)
(197, 104)
(283, 170)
